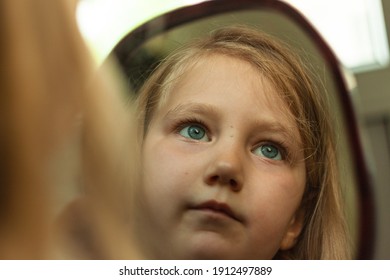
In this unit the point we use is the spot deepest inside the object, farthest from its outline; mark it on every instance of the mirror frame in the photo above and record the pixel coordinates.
(365, 203)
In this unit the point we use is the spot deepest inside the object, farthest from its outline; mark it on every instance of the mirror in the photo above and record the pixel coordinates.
(140, 50)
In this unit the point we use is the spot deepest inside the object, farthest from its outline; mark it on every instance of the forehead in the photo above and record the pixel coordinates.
(229, 82)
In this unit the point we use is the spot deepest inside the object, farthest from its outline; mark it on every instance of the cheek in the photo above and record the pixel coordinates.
(276, 187)
(273, 202)
(165, 172)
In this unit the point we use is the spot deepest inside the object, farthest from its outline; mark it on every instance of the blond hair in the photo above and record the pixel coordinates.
(64, 128)
(324, 235)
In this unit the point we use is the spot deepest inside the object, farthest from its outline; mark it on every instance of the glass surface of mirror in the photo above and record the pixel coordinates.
(142, 49)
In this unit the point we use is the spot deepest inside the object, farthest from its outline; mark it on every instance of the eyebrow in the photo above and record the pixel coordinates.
(277, 127)
(192, 108)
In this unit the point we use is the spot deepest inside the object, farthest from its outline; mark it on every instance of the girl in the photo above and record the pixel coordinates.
(238, 155)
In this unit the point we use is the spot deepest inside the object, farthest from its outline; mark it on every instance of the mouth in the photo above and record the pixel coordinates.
(216, 207)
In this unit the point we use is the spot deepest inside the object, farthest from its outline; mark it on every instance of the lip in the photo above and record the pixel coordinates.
(218, 207)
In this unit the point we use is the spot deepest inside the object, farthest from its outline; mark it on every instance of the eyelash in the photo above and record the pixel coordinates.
(179, 125)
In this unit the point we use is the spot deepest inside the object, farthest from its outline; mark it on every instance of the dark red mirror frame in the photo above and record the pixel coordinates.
(130, 44)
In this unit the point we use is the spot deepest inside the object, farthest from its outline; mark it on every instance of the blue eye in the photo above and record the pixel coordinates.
(268, 151)
(195, 132)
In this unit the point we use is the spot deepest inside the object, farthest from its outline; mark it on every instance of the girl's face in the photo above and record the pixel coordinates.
(223, 167)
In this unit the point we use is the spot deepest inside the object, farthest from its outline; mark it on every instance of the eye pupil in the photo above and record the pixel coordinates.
(196, 132)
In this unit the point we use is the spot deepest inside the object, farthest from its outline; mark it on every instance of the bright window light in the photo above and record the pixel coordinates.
(354, 29)
(104, 22)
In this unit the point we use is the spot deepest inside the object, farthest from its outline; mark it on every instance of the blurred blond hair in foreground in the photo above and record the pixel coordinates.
(66, 133)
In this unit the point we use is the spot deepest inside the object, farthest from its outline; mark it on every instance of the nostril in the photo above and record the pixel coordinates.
(235, 186)
(233, 183)
(214, 179)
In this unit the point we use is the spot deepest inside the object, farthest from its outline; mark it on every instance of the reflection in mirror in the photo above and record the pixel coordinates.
(142, 51)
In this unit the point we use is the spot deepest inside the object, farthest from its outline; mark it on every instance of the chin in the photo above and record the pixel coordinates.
(209, 250)
(207, 254)
(217, 252)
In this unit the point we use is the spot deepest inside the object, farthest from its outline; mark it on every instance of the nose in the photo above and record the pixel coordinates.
(225, 169)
